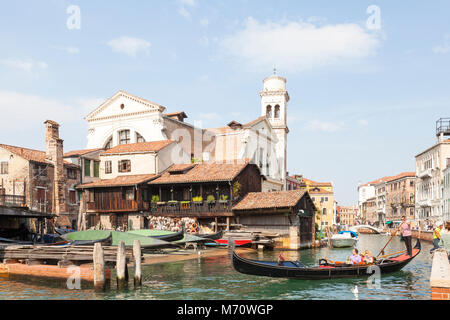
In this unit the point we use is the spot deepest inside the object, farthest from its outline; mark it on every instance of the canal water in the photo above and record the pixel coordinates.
(215, 278)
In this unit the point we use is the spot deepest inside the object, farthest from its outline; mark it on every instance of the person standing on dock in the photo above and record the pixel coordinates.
(437, 235)
(405, 227)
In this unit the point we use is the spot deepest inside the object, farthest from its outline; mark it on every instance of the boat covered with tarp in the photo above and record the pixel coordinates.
(117, 236)
(160, 234)
(325, 270)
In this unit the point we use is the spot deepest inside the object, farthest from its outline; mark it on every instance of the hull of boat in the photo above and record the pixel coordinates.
(343, 243)
(295, 270)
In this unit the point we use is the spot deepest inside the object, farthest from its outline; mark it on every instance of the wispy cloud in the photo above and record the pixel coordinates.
(24, 65)
(68, 49)
(183, 5)
(204, 22)
(39, 108)
(444, 48)
(298, 46)
(130, 46)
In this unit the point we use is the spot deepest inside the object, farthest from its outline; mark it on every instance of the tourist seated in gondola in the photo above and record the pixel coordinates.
(368, 257)
(355, 258)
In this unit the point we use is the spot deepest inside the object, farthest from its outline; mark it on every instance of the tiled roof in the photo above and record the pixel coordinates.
(152, 146)
(80, 152)
(402, 175)
(32, 155)
(270, 200)
(384, 179)
(178, 113)
(315, 183)
(243, 126)
(321, 191)
(202, 172)
(129, 180)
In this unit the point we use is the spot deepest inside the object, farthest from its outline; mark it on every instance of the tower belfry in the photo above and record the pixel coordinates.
(274, 99)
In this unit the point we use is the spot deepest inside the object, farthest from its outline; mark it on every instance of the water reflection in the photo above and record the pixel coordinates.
(215, 278)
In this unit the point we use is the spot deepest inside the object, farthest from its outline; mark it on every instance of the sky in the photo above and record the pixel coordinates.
(367, 80)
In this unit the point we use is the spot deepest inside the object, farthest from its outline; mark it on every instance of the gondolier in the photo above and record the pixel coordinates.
(405, 228)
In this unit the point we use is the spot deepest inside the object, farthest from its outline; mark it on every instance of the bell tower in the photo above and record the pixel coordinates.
(274, 99)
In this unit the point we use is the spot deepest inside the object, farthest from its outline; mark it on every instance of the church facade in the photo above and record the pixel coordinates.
(128, 119)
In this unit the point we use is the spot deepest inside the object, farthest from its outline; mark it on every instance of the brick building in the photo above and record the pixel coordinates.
(40, 180)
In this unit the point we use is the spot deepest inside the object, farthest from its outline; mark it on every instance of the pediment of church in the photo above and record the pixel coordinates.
(123, 104)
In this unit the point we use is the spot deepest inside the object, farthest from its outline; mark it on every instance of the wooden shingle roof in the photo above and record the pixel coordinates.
(120, 181)
(270, 200)
(201, 172)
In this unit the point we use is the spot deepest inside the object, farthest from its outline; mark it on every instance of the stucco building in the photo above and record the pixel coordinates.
(430, 166)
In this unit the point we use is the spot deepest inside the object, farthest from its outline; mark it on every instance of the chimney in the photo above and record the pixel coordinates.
(54, 153)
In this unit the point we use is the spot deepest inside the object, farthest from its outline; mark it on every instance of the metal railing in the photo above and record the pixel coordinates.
(10, 200)
(190, 207)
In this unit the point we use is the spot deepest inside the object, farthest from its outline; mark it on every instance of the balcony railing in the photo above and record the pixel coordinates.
(191, 208)
(10, 200)
(425, 173)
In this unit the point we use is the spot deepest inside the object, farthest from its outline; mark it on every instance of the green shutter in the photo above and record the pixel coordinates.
(87, 168)
(96, 169)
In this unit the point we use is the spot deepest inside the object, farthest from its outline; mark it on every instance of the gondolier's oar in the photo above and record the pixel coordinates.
(382, 250)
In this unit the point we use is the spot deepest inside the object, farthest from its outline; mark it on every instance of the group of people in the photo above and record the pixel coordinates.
(356, 257)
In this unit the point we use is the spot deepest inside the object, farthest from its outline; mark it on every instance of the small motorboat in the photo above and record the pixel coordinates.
(344, 239)
(224, 242)
(325, 270)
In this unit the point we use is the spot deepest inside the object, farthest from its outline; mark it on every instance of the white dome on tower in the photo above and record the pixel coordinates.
(274, 83)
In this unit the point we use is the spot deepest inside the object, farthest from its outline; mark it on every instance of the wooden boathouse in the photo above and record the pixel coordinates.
(291, 214)
(206, 191)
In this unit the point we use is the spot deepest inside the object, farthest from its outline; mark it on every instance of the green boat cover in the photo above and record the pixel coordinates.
(151, 232)
(117, 236)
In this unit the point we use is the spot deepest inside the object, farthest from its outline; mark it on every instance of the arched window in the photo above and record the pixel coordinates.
(108, 144)
(269, 111)
(139, 138)
(277, 111)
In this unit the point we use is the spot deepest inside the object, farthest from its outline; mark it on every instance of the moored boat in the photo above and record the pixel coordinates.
(325, 269)
(117, 236)
(344, 239)
(160, 234)
(211, 236)
(224, 242)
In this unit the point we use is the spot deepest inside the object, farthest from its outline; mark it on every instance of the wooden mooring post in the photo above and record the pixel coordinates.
(121, 266)
(137, 256)
(99, 268)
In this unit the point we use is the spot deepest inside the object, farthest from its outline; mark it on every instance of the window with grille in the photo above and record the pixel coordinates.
(108, 167)
(124, 166)
(124, 137)
(71, 173)
(4, 168)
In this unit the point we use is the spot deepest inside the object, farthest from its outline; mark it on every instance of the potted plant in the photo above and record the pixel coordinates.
(198, 199)
(211, 199)
(223, 198)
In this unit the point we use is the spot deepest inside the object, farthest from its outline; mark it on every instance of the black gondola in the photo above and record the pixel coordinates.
(325, 270)
(172, 236)
(211, 236)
